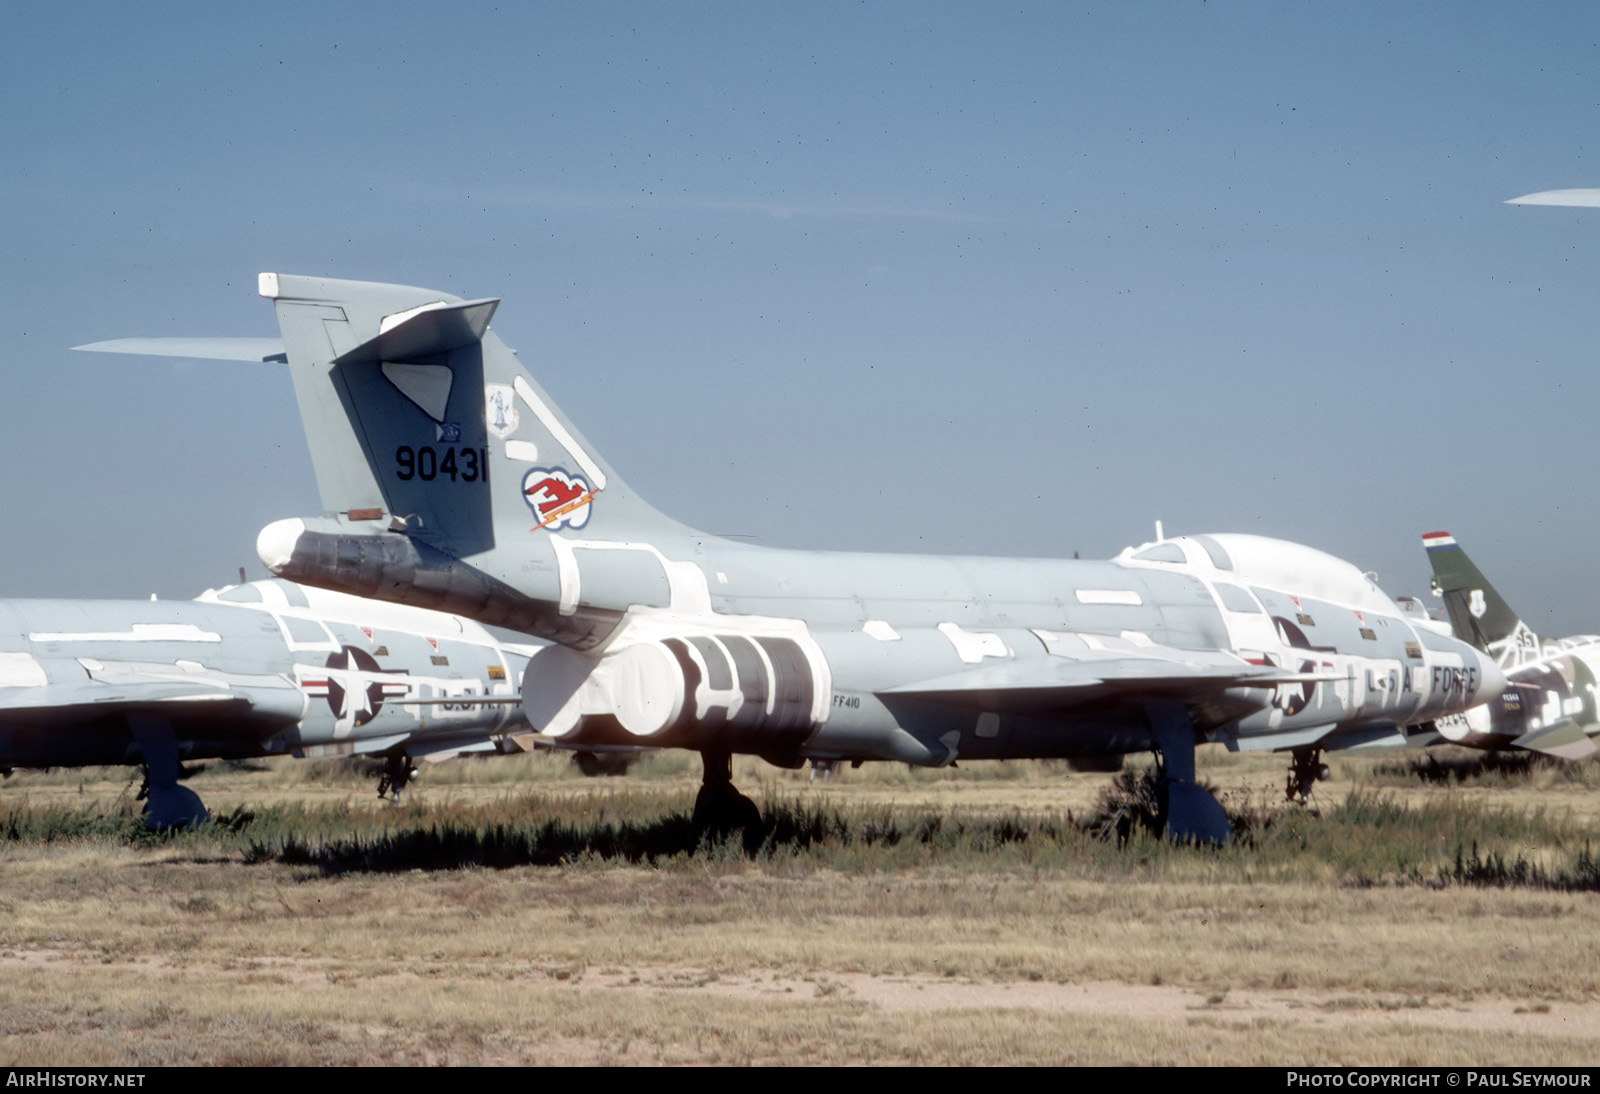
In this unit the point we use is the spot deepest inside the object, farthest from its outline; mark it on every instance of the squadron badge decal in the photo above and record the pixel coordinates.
(558, 500)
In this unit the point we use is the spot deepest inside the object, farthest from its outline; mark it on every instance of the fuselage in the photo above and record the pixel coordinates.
(833, 639)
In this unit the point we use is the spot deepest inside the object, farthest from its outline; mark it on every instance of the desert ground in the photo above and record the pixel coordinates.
(1423, 910)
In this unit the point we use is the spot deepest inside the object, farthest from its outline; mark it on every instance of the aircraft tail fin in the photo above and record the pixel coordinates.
(434, 450)
(418, 416)
(1478, 613)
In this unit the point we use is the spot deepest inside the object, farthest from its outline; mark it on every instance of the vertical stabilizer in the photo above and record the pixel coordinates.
(449, 478)
(1478, 614)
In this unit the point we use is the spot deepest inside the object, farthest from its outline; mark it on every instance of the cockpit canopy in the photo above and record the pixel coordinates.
(1269, 563)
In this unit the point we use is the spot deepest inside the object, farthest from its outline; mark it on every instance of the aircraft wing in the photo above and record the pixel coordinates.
(44, 704)
(123, 687)
(1044, 684)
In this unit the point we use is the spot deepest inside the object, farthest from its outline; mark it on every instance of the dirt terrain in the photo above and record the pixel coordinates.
(117, 950)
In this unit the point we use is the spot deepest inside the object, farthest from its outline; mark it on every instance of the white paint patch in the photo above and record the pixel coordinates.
(973, 646)
(559, 432)
(688, 591)
(1137, 638)
(526, 451)
(267, 285)
(722, 578)
(988, 725)
(141, 632)
(1109, 596)
(21, 670)
(880, 629)
(313, 636)
(566, 576)
(428, 386)
(1062, 643)
(389, 322)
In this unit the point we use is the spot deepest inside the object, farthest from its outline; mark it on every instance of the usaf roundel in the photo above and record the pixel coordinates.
(558, 500)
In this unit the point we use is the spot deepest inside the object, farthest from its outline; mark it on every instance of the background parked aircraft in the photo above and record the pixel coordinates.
(1549, 703)
(259, 669)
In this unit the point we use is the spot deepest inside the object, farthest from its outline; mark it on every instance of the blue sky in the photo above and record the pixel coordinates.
(919, 276)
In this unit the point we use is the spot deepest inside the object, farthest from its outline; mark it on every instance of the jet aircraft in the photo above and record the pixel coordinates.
(450, 480)
(257, 669)
(1549, 703)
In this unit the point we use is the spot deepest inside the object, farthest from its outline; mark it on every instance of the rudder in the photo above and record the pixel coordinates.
(1478, 613)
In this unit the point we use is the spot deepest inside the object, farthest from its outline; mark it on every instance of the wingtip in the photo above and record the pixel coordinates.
(1575, 198)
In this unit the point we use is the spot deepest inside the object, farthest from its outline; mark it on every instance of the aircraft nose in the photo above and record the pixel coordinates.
(1492, 677)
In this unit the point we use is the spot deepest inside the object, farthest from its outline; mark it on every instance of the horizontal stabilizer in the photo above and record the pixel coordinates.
(1567, 740)
(425, 332)
(208, 349)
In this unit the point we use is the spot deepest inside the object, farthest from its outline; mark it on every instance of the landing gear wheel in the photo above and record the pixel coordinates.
(1306, 769)
(397, 775)
(597, 764)
(720, 810)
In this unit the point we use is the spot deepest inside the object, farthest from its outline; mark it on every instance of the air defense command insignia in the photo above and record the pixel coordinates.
(500, 410)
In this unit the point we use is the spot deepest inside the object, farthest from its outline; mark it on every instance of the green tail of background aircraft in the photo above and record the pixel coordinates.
(1549, 703)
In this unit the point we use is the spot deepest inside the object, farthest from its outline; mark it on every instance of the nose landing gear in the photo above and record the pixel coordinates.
(1306, 769)
(397, 775)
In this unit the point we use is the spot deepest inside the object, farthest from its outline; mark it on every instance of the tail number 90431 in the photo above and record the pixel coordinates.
(428, 463)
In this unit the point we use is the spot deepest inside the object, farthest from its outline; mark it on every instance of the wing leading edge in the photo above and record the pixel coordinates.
(1043, 685)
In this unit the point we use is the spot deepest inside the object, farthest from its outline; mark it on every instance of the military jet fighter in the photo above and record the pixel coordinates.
(450, 480)
(258, 669)
(1548, 704)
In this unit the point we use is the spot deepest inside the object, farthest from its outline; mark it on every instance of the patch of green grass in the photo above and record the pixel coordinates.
(1368, 839)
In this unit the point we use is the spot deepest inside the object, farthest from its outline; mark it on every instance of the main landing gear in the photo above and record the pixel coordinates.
(1306, 769)
(166, 804)
(1191, 813)
(719, 809)
(825, 768)
(397, 775)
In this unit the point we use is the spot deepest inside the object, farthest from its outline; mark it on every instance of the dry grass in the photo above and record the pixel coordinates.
(119, 951)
